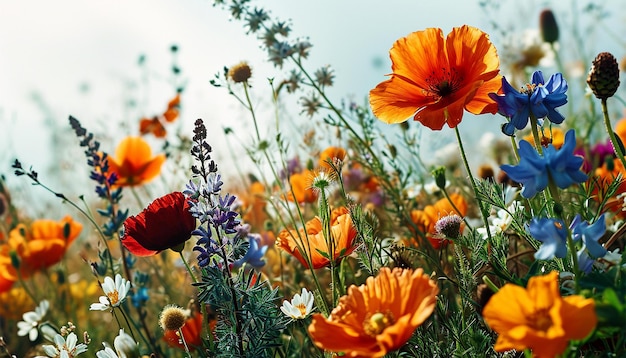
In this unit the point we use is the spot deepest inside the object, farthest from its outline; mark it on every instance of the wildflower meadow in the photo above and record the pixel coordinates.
(331, 232)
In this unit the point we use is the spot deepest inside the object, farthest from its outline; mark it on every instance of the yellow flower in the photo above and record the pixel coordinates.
(14, 303)
(538, 318)
(377, 317)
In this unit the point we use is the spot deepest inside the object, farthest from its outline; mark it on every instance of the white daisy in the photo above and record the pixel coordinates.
(300, 306)
(65, 347)
(29, 326)
(115, 293)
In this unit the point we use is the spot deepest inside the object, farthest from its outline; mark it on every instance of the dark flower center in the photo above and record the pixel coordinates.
(445, 82)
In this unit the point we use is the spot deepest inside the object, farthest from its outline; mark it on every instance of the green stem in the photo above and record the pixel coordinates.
(483, 212)
(614, 140)
(182, 257)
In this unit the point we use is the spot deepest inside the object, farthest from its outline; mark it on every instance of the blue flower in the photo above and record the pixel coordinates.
(563, 165)
(531, 171)
(590, 234)
(254, 256)
(538, 98)
(534, 171)
(553, 234)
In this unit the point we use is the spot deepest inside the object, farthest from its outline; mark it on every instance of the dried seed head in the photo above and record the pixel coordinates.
(239, 73)
(603, 78)
(172, 318)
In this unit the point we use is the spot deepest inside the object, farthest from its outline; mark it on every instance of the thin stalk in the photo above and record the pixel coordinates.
(614, 140)
(483, 212)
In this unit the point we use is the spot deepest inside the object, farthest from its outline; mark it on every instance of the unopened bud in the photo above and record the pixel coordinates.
(603, 78)
(548, 26)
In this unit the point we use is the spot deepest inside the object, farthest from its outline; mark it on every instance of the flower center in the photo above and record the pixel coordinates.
(376, 323)
(541, 320)
(113, 297)
(302, 308)
(530, 88)
(444, 83)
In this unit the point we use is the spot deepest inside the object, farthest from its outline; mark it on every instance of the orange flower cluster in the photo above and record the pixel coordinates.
(538, 318)
(310, 242)
(377, 317)
(427, 218)
(133, 162)
(435, 78)
(37, 247)
(155, 125)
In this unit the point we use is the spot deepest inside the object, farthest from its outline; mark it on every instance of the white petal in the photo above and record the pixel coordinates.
(30, 317)
(71, 341)
(32, 335)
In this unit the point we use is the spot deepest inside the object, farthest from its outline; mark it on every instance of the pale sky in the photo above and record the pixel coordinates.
(79, 56)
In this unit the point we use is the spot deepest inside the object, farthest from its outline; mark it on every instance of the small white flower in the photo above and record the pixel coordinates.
(29, 326)
(115, 293)
(65, 347)
(125, 345)
(300, 306)
(107, 352)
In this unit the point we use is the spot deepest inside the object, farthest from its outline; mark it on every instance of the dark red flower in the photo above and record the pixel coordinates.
(166, 223)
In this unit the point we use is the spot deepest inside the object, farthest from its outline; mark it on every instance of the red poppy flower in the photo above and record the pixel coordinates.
(435, 78)
(166, 223)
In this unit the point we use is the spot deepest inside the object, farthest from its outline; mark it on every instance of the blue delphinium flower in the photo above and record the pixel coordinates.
(538, 98)
(531, 171)
(553, 235)
(534, 171)
(255, 253)
(590, 234)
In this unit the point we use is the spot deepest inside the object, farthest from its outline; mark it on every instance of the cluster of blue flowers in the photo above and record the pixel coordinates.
(539, 99)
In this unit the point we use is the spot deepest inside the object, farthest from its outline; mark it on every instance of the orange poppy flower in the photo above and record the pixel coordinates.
(41, 245)
(253, 208)
(7, 271)
(377, 317)
(538, 318)
(155, 125)
(343, 235)
(329, 154)
(435, 78)
(427, 218)
(134, 163)
(301, 187)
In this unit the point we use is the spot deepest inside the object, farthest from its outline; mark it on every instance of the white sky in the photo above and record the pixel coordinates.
(55, 48)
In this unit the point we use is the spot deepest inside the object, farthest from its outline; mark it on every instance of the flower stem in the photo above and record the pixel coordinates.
(182, 257)
(614, 141)
(483, 212)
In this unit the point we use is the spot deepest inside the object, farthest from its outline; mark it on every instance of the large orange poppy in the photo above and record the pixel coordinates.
(427, 218)
(312, 241)
(39, 246)
(435, 78)
(134, 163)
(538, 318)
(377, 317)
